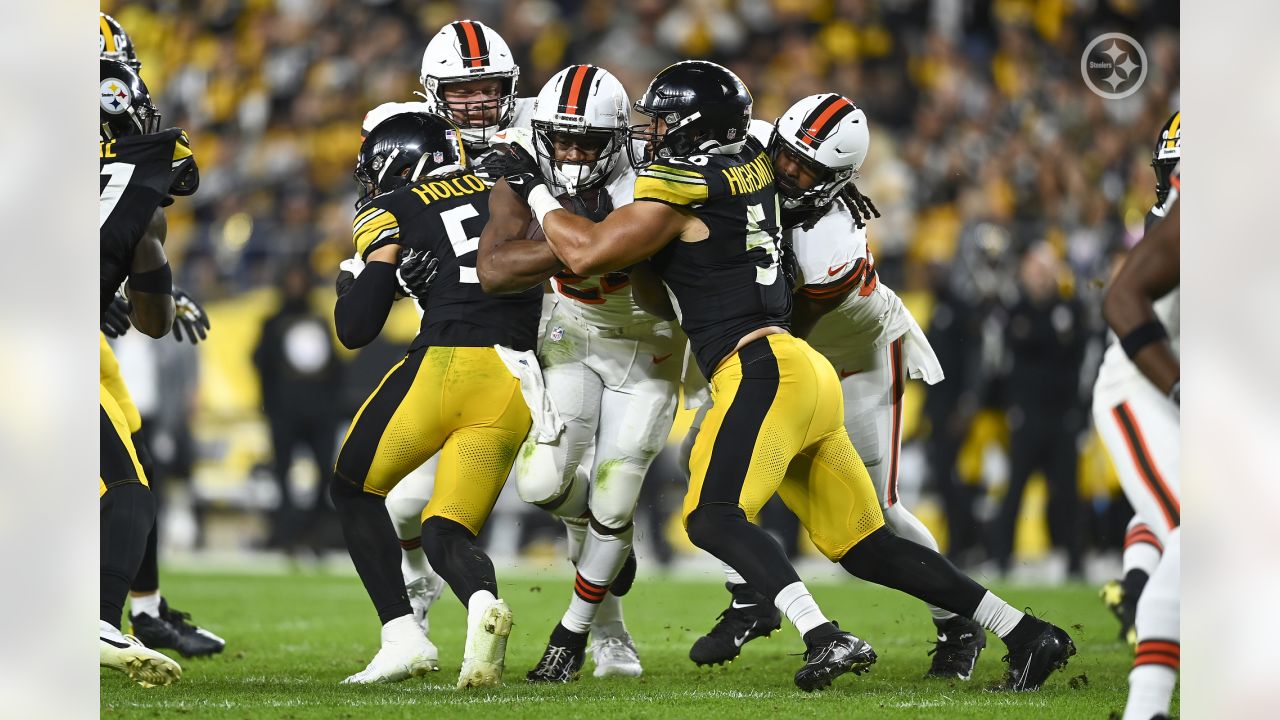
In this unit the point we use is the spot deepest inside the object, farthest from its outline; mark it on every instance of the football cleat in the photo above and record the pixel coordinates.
(171, 630)
(615, 656)
(749, 616)
(562, 660)
(405, 653)
(1031, 664)
(1117, 601)
(956, 651)
(127, 654)
(423, 593)
(484, 657)
(832, 657)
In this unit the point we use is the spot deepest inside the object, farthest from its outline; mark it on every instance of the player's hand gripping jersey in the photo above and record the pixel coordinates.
(137, 175)
(444, 216)
(729, 284)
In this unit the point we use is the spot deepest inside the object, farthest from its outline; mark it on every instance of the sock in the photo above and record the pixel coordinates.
(403, 627)
(413, 561)
(1150, 689)
(371, 541)
(908, 526)
(478, 602)
(887, 559)
(576, 533)
(723, 530)
(126, 513)
(1142, 549)
(148, 604)
(608, 621)
(564, 637)
(602, 557)
(731, 576)
(801, 609)
(453, 553)
(1012, 626)
(147, 579)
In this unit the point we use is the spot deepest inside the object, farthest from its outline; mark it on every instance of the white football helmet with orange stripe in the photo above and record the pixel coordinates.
(466, 50)
(583, 109)
(828, 135)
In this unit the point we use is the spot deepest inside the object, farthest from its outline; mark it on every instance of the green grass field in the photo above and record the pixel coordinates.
(292, 638)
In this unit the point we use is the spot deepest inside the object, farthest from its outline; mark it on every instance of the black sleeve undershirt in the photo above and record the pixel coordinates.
(360, 314)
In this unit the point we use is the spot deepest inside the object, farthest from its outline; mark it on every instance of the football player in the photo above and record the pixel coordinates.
(456, 392)
(469, 77)
(153, 621)
(861, 326)
(1136, 409)
(140, 168)
(612, 370)
(777, 423)
(1142, 547)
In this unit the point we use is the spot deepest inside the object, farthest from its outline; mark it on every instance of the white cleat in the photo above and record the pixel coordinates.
(485, 655)
(143, 665)
(615, 656)
(423, 593)
(405, 653)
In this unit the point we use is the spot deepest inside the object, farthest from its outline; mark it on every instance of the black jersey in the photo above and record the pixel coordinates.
(445, 216)
(729, 284)
(135, 175)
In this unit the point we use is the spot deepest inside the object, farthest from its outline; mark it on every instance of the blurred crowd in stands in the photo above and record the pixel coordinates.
(1008, 189)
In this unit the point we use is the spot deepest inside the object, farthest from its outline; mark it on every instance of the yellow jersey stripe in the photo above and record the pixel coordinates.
(675, 193)
(380, 228)
(675, 171)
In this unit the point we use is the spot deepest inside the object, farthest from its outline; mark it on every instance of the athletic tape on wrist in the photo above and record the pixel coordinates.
(541, 202)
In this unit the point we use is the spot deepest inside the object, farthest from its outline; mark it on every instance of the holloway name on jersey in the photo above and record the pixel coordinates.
(729, 284)
(444, 215)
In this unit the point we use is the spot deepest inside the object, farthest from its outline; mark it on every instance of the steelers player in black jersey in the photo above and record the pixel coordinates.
(141, 167)
(453, 393)
(707, 217)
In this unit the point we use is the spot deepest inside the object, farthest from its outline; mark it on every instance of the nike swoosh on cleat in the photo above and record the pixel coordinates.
(113, 643)
(736, 604)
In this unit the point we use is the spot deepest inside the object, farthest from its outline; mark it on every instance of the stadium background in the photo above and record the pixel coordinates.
(985, 142)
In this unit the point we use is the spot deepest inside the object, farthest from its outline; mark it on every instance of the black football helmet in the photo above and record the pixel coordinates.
(114, 43)
(126, 103)
(404, 148)
(1166, 155)
(705, 107)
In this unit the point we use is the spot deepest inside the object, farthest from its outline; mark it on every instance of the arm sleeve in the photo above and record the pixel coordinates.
(360, 314)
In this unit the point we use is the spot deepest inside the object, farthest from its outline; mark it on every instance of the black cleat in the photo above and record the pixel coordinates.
(955, 654)
(831, 657)
(1123, 607)
(749, 616)
(171, 630)
(1031, 664)
(562, 660)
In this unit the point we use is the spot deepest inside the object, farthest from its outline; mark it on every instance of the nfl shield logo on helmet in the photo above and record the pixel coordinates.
(115, 97)
(437, 157)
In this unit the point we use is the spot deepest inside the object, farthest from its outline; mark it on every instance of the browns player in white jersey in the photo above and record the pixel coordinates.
(611, 369)
(1136, 410)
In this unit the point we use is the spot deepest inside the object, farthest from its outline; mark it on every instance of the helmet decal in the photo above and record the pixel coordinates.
(115, 96)
(475, 49)
(824, 118)
(577, 83)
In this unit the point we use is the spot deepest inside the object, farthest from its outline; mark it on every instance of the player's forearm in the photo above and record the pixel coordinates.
(360, 313)
(569, 237)
(152, 313)
(515, 266)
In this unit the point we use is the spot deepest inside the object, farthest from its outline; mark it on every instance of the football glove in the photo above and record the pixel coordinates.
(116, 320)
(514, 163)
(417, 270)
(189, 317)
(347, 271)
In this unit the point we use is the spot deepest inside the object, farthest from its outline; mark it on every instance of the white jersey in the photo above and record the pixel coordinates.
(833, 257)
(604, 300)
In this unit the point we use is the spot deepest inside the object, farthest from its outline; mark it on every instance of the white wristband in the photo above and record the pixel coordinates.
(541, 202)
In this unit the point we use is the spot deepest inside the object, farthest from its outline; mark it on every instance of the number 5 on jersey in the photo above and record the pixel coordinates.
(462, 244)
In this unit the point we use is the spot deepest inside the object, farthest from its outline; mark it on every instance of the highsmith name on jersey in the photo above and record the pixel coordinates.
(444, 215)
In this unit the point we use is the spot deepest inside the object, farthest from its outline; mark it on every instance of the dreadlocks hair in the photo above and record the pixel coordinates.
(860, 205)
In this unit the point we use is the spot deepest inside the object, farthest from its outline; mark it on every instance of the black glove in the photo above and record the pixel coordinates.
(346, 279)
(116, 320)
(417, 270)
(189, 316)
(515, 164)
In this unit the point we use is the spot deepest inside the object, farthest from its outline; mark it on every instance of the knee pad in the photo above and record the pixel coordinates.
(615, 492)
(709, 525)
(542, 482)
